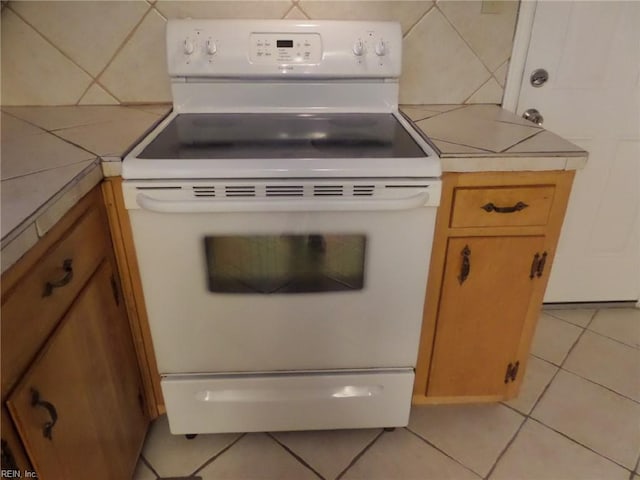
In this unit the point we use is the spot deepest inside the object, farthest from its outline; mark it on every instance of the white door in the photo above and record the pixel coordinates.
(591, 51)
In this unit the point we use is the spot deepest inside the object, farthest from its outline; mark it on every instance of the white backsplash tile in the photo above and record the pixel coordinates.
(438, 66)
(223, 9)
(451, 48)
(490, 35)
(406, 12)
(87, 32)
(34, 72)
(139, 71)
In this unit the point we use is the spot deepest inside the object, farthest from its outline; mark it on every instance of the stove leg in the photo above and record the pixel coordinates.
(389, 429)
(191, 436)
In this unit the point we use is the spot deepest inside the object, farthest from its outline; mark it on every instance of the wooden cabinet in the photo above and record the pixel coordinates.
(495, 239)
(70, 381)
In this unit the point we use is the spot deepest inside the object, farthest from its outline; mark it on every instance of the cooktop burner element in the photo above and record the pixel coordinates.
(278, 135)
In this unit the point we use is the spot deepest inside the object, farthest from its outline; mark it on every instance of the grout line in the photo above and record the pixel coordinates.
(482, 150)
(412, 27)
(441, 451)
(477, 90)
(600, 385)
(464, 40)
(533, 419)
(42, 170)
(296, 4)
(359, 455)
(217, 455)
(291, 7)
(295, 455)
(50, 42)
(507, 446)
(148, 464)
(118, 50)
(529, 137)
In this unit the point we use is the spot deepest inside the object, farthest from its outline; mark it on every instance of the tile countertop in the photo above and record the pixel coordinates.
(52, 156)
(477, 138)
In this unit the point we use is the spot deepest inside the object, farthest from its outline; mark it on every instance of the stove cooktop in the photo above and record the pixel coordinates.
(268, 136)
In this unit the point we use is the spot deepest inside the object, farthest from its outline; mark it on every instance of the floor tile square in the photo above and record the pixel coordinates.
(175, 455)
(474, 435)
(553, 339)
(538, 375)
(143, 472)
(254, 456)
(622, 324)
(402, 455)
(593, 416)
(607, 362)
(578, 316)
(540, 453)
(328, 452)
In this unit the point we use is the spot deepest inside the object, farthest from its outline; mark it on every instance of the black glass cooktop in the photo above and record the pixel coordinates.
(343, 135)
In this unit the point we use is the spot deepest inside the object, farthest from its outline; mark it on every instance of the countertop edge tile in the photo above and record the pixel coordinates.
(77, 188)
(48, 214)
(13, 250)
(502, 164)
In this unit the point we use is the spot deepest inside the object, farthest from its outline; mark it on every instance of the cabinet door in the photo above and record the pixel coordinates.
(78, 407)
(485, 296)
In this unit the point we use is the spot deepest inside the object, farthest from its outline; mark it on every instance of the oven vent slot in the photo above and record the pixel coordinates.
(240, 191)
(204, 191)
(328, 190)
(363, 190)
(284, 190)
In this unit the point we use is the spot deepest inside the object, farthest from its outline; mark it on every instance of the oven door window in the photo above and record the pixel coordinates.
(285, 263)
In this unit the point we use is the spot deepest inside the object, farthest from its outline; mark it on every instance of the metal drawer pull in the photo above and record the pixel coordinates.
(36, 402)
(67, 267)
(490, 207)
(465, 268)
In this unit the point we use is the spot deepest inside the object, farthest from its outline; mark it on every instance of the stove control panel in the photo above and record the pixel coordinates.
(277, 48)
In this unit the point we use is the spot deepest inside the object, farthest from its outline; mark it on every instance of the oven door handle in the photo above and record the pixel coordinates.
(269, 205)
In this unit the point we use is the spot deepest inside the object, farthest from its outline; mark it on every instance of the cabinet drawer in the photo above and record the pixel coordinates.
(501, 206)
(33, 307)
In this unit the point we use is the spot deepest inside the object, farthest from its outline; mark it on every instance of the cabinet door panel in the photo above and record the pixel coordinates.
(87, 373)
(481, 318)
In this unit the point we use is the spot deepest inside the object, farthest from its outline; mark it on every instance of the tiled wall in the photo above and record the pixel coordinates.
(109, 52)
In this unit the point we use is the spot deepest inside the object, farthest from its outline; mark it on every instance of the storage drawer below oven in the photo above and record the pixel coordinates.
(271, 402)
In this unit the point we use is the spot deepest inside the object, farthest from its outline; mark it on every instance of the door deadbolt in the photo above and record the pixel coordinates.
(539, 77)
(534, 116)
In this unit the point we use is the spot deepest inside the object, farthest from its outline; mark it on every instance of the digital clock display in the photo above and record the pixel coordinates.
(284, 43)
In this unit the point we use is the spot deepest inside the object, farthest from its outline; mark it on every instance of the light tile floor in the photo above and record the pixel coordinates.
(577, 417)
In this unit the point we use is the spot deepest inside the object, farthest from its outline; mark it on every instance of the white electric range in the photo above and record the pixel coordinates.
(283, 216)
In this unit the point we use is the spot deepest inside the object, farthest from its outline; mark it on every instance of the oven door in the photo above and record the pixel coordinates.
(246, 285)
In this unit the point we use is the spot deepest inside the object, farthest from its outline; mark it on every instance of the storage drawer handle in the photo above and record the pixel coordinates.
(37, 402)
(67, 267)
(490, 207)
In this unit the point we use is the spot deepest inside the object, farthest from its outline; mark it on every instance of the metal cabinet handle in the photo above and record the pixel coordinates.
(37, 402)
(490, 207)
(67, 267)
(537, 265)
(465, 268)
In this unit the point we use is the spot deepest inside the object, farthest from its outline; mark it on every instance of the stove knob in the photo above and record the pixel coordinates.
(212, 48)
(358, 48)
(381, 48)
(189, 46)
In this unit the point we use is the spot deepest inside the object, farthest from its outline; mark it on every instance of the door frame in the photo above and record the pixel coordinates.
(521, 41)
